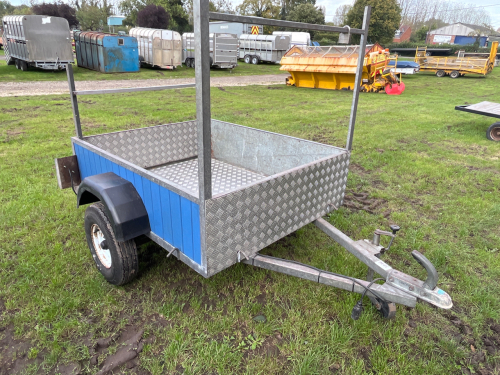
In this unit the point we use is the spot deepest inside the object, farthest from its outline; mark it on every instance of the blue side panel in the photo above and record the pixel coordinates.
(157, 222)
(195, 217)
(168, 234)
(175, 213)
(172, 217)
(187, 227)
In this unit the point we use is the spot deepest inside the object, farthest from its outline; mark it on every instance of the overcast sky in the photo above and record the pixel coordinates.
(493, 7)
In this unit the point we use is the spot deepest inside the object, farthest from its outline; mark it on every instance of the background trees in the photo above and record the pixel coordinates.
(177, 10)
(307, 13)
(384, 21)
(153, 16)
(57, 10)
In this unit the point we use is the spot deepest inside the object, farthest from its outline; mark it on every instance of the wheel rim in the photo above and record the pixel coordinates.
(104, 255)
(495, 133)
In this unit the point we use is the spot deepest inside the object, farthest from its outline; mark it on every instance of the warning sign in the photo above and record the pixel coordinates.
(255, 30)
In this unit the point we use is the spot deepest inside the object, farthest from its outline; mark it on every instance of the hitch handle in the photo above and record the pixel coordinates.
(432, 275)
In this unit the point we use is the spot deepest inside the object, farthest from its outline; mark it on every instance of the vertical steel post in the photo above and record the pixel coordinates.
(202, 78)
(359, 77)
(74, 101)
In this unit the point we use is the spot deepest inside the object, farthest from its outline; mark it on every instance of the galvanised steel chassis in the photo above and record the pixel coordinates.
(398, 287)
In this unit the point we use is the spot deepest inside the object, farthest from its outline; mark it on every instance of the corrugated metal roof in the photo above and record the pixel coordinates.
(460, 28)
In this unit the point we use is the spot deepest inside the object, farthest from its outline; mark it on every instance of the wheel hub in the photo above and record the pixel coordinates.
(101, 246)
(495, 133)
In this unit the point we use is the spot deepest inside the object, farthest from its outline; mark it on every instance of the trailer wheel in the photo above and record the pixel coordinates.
(255, 60)
(16, 63)
(247, 59)
(440, 73)
(493, 132)
(117, 261)
(454, 74)
(24, 66)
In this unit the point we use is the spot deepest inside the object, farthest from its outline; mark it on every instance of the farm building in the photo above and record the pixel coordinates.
(402, 34)
(459, 33)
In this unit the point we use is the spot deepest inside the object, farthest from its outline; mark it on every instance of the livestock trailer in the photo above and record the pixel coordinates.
(223, 50)
(158, 47)
(106, 53)
(269, 48)
(297, 38)
(214, 194)
(37, 41)
(237, 28)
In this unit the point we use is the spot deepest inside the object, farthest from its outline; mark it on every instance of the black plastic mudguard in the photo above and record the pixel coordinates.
(125, 208)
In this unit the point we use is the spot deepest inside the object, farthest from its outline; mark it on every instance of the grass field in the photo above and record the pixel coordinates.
(416, 162)
(9, 73)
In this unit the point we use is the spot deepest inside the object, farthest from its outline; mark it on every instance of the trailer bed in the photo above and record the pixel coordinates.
(265, 186)
(484, 108)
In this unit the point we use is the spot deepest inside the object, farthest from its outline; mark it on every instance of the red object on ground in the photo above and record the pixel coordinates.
(396, 89)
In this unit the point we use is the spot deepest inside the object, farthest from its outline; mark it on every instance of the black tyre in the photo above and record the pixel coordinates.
(117, 261)
(428, 54)
(16, 63)
(24, 66)
(440, 73)
(247, 59)
(255, 60)
(454, 74)
(493, 132)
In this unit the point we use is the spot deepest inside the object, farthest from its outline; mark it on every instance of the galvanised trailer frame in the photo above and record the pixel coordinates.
(214, 194)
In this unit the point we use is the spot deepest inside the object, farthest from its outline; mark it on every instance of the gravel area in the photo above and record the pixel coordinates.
(61, 87)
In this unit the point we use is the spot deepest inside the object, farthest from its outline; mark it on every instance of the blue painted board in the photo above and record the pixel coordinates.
(172, 217)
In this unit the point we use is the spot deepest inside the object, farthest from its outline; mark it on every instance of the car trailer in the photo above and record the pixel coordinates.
(486, 109)
(214, 194)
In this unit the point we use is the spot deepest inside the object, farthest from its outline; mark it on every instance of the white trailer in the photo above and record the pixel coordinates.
(256, 48)
(237, 28)
(223, 50)
(297, 38)
(38, 41)
(158, 47)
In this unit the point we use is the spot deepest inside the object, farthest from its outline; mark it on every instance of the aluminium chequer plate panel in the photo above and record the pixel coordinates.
(252, 218)
(225, 177)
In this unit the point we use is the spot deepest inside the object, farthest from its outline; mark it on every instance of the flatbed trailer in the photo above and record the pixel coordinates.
(456, 66)
(214, 194)
(486, 109)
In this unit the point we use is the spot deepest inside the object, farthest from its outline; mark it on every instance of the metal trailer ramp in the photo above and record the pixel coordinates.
(214, 193)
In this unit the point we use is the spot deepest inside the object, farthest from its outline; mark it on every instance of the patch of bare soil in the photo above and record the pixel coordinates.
(16, 356)
(479, 351)
(128, 345)
(362, 202)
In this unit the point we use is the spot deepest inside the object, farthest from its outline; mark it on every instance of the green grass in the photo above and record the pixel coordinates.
(9, 73)
(429, 167)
